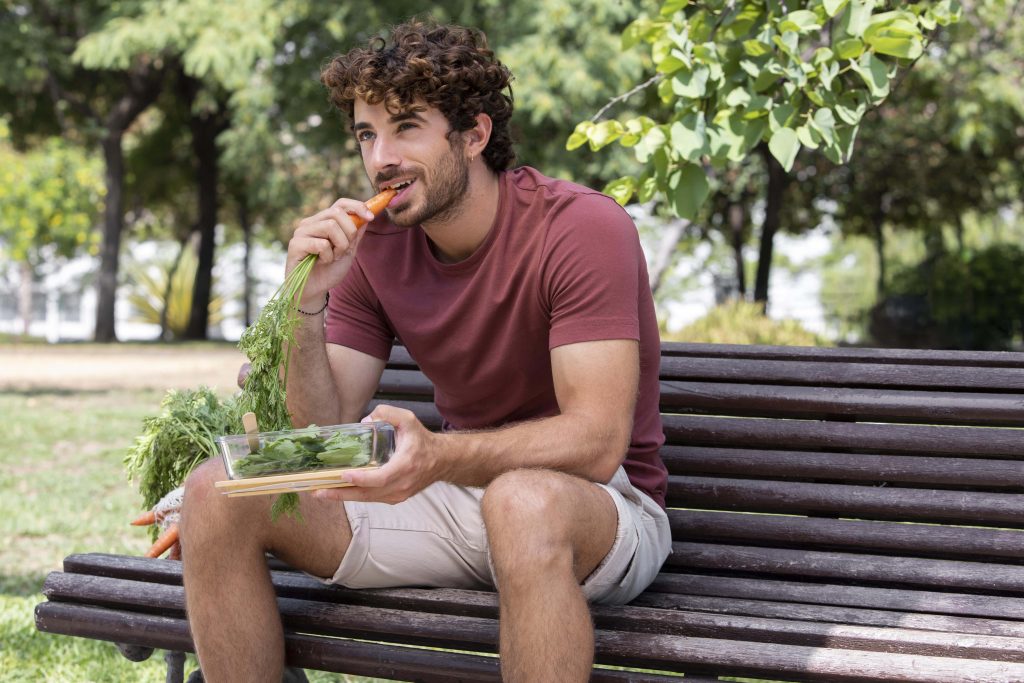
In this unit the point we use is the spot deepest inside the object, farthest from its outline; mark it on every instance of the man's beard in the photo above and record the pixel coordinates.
(444, 192)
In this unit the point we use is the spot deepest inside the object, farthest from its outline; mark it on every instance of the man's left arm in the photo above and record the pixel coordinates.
(596, 386)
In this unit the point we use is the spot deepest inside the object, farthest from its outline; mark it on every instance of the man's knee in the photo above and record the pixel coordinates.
(525, 514)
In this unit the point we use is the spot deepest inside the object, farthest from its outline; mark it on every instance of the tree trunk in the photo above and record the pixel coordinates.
(25, 297)
(142, 88)
(879, 240)
(165, 332)
(663, 259)
(737, 221)
(243, 221)
(205, 130)
(113, 226)
(772, 217)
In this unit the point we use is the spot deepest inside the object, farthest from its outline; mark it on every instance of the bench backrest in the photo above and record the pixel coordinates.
(850, 458)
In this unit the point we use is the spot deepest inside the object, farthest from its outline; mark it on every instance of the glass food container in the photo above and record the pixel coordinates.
(302, 459)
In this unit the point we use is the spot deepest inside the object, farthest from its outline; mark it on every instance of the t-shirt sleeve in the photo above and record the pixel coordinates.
(592, 270)
(355, 318)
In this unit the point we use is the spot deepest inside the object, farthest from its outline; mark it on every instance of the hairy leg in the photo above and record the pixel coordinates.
(547, 532)
(231, 605)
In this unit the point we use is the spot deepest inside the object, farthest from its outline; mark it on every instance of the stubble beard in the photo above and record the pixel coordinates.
(444, 193)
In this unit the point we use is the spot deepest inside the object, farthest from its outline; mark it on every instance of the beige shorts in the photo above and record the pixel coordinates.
(437, 539)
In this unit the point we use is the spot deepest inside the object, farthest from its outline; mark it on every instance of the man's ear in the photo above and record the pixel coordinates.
(477, 137)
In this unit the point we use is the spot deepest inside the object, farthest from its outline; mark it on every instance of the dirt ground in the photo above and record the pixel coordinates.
(118, 366)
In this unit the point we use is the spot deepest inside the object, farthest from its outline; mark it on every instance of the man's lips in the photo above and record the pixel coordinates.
(402, 191)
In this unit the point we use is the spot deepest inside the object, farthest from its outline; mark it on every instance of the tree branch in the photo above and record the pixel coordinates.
(625, 96)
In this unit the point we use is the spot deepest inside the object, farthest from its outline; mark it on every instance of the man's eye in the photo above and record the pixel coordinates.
(363, 136)
(406, 126)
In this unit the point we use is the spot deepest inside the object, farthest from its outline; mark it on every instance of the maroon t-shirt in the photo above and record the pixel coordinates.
(561, 264)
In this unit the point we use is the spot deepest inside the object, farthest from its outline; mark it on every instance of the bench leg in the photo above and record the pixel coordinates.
(175, 666)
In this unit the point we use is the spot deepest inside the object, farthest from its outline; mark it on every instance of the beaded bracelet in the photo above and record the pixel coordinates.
(327, 298)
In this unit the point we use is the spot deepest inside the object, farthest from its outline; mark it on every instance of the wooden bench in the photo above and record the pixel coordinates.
(837, 515)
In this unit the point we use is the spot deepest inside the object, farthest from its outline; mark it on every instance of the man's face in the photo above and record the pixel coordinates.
(412, 150)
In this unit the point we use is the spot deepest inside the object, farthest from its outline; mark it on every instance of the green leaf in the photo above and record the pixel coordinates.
(670, 7)
(738, 97)
(832, 7)
(845, 138)
(647, 190)
(851, 107)
(789, 43)
(895, 36)
(946, 12)
(604, 133)
(755, 48)
(825, 123)
(689, 137)
(754, 133)
(687, 189)
(806, 135)
(692, 84)
(781, 116)
(856, 18)
(827, 74)
(653, 140)
(621, 189)
(849, 48)
(579, 136)
(784, 146)
(800, 21)
(874, 73)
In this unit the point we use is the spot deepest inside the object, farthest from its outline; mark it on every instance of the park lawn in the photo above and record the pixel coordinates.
(63, 490)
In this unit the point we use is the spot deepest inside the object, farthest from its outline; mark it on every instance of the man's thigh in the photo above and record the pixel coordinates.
(435, 538)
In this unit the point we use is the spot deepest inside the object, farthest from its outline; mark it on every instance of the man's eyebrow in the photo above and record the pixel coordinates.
(395, 118)
(405, 116)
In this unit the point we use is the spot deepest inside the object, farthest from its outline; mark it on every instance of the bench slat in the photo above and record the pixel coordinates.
(812, 435)
(868, 502)
(832, 615)
(850, 374)
(481, 604)
(999, 359)
(857, 567)
(846, 534)
(903, 601)
(472, 632)
(863, 404)
(862, 467)
(700, 654)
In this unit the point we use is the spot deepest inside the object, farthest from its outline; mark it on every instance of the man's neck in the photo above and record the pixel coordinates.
(458, 237)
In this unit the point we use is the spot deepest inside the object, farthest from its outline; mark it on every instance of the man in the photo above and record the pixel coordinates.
(525, 300)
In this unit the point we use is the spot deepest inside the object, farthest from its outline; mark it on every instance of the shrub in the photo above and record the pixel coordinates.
(742, 322)
(975, 301)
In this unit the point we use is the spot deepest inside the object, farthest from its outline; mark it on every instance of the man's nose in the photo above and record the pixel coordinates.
(384, 154)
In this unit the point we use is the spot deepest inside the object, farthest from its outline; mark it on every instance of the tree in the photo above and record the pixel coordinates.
(49, 92)
(215, 47)
(49, 202)
(740, 77)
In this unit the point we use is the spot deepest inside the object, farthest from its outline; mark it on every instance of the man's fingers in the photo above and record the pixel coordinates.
(391, 415)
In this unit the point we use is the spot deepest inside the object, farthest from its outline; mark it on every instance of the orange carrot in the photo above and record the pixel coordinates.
(175, 553)
(145, 519)
(165, 541)
(375, 204)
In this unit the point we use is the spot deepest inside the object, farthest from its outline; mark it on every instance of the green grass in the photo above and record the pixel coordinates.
(63, 490)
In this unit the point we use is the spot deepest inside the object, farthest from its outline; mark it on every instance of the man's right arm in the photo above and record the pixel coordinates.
(327, 383)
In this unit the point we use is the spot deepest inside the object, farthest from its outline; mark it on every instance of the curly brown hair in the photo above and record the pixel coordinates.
(444, 66)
